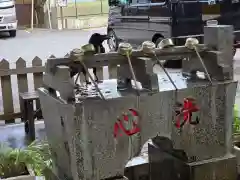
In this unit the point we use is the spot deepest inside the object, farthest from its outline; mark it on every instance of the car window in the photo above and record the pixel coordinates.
(5, 0)
(157, 1)
(142, 1)
(123, 1)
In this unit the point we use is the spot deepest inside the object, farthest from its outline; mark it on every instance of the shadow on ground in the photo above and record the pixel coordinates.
(4, 36)
(14, 135)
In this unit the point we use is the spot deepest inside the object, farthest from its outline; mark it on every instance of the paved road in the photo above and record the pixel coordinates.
(42, 43)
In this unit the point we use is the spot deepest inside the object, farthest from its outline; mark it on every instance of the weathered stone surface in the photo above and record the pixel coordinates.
(105, 157)
(219, 63)
(165, 165)
(222, 168)
(89, 125)
(212, 136)
(56, 133)
(221, 38)
(156, 112)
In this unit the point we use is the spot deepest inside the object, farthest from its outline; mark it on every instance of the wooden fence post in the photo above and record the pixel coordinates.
(37, 77)
(52, 56)
(7, 92)
(22, 81)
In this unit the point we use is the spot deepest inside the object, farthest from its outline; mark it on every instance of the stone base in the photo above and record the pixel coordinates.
(224, 168)
(164, 166)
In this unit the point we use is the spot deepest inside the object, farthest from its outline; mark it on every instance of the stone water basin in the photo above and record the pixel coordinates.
(109, 87)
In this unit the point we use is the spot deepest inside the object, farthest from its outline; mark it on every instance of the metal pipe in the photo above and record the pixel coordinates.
(32, 14)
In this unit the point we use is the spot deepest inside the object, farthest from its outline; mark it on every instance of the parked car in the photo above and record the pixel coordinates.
(8, 20)
(135, 21)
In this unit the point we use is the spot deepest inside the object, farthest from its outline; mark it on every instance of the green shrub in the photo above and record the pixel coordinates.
(236, 120)
(13, 162)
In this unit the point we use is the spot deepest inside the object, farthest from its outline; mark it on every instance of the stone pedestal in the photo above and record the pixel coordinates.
(222, 168)
(87, 126)
(165, 166)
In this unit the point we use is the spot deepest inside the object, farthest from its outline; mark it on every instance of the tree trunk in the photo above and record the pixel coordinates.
(40, 15)
(39, 9)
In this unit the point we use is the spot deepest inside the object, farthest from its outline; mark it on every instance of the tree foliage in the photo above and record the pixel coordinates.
(236, 120)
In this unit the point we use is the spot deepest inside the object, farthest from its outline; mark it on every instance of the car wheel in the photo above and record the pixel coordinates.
(112, 41)
(13, 33)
